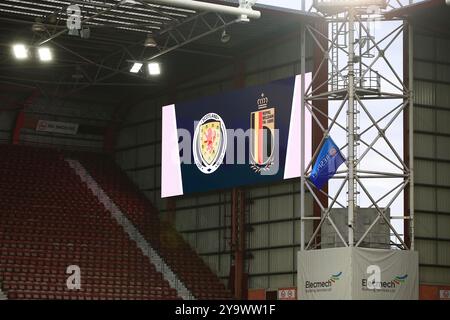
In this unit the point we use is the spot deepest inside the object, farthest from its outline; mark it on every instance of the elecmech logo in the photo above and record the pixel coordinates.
(327, 285)
(374, 283)
(385, 286)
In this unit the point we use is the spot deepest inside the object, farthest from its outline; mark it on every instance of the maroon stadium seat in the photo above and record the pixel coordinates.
(50, 220)
(183, 260)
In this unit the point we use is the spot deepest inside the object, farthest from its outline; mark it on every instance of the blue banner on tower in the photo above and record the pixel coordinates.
(327, 163)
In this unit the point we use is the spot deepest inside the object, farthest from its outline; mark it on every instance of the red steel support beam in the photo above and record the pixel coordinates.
(109, 138)
(243, 248)
(233, 240)
(238, 243)
(20, 119)
(237, 272)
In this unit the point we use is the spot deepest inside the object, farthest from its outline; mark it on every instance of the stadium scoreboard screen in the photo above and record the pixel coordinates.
(238, 138)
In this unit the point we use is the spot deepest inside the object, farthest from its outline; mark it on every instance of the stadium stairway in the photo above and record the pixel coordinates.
(49, 221)
(183, 260)
(2, 295)
(129, 228)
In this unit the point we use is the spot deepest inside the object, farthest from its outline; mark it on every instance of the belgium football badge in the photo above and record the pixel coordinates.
(262, 136)
(210, 143)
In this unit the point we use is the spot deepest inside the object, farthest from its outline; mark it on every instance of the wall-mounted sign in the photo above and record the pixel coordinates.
(243, 137)
(287, 294)
(444, 294)
(57, 127)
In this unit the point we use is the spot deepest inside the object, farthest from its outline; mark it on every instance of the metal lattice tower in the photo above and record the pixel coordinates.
(362, 76)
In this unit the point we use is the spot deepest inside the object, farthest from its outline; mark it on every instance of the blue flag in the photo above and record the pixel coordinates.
(327, 163)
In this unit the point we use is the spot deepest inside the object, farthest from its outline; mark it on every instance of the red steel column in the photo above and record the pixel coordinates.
(109, 139)
(20, 119)
(238, 217)
(238, 242)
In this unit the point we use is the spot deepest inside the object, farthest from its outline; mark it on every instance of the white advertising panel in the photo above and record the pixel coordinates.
(324, 274)
(358, 273)
(385, 274)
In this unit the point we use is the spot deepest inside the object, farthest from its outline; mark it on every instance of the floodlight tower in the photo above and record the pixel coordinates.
(354, 56)
(369, 92)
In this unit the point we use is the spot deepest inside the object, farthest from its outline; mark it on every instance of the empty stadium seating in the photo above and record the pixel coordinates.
(183, 260)
(50, 220)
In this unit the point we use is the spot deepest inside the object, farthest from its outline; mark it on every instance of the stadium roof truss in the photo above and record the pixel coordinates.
(173, 27)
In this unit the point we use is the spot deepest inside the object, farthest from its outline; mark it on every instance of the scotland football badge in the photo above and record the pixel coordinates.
(210, 143)
(262, 137)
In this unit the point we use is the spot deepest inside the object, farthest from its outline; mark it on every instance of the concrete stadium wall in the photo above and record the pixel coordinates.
(274, 213)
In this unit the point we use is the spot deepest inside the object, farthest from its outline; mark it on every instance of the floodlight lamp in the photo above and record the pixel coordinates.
(52, 18)
(150, 42)
(38, 26)
(225, 37)
(136, 67)
(85, 33)
(45, 54)
(154, 69)
(20, 51)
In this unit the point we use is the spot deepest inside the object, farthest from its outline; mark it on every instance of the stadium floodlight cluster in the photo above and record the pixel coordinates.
(154, 68)
(22, 52)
